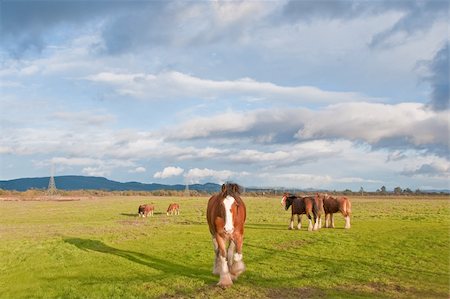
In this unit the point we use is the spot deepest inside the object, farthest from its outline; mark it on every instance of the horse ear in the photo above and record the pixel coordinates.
(224, 187)
(235, 188)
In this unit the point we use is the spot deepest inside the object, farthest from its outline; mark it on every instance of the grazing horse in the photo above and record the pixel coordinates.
(333, 205)
(144, 210)
(226, 215)
(302, 205)
(173, 209)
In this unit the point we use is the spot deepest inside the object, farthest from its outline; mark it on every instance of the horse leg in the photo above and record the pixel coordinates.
(316, 221)
(216, 267)
(231, 250)
(225, 277)
(327, 216)
(310, 225)
(332, 220)
(291, 225)
(347, 214)
(320, 221)
(299, 220)
(347, 220)
(238, 266)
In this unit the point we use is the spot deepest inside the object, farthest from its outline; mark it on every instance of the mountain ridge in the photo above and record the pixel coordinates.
(77, 182)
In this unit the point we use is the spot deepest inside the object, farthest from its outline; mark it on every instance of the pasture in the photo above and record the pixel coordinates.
(99, 248)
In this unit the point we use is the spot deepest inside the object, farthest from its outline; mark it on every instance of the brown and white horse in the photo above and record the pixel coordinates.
(302, 205)
(333, 205)
(173, 209)
(226, 215)
(144, 210)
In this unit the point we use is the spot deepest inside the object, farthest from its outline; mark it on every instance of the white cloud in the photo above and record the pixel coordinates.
(405, 123)
(96, 171)
(373, 122)
(175, 84)
(85, 118)
(195, 175)
(168, 172)
(138, 170)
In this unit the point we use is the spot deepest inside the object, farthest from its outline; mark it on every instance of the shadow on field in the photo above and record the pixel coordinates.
(129, 214)
(166, 266)
(136, 214)
(338, 262)
(266, 226)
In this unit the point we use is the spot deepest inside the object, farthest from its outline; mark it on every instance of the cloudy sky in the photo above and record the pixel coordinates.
(322, 94)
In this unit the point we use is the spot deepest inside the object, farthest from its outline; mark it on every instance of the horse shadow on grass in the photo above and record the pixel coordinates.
(265, 226)
(165, 266)
(136, 214)
(129, 214)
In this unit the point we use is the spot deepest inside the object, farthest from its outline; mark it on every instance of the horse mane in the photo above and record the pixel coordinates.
(290, 195)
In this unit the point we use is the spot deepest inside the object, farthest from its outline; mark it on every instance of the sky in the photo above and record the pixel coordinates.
(297, 94)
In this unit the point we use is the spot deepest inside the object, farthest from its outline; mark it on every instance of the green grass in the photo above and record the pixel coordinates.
(98, 248)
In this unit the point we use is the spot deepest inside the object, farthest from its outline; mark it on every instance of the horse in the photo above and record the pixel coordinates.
(302, 205)
(226, 214)
(173, 209)
(333, 205)
(144, 210)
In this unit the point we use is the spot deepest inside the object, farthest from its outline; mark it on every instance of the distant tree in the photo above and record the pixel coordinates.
(347, 192)
(397, 190)
(418, 191)
(361, 190)
(383, 190)
(407, 191)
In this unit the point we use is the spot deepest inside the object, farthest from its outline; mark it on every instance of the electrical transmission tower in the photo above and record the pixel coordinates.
(186, 190)
(51, 190)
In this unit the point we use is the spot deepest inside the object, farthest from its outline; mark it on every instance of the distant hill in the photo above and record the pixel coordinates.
(74, 182)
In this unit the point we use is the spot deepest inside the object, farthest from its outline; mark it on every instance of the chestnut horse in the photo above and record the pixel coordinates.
(173, 209)
(144, 210)
(226, 215)
(302, 205)
(333, 205)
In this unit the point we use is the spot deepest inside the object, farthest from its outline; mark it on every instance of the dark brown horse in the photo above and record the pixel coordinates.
(226, 215)
(333, 205)
(173, 209)
(302, 205)
(144, 210)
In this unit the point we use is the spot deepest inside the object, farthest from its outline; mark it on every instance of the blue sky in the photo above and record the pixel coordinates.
(322, 94)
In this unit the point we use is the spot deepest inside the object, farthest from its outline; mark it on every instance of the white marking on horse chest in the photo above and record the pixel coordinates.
(228, 202)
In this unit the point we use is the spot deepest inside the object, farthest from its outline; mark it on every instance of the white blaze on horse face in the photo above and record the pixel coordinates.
(283, 201)
(228, 202)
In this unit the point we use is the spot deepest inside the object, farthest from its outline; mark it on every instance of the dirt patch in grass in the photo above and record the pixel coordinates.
(292, 244)
(296, 293)
(388, 290)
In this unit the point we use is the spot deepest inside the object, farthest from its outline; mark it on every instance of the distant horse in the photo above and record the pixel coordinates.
(144, 210)
(226, 215)
(302, 205)
(333, 205)
(173, 209)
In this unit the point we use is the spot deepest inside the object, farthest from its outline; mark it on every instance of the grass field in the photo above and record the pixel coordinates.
(98, 248)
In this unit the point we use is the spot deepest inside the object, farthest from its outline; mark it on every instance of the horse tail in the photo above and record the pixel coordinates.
(315, 208)
(349, 207)
(346, 206)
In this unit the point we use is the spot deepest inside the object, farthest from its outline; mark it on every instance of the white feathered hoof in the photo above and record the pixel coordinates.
(237, 269)
(225, 280)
